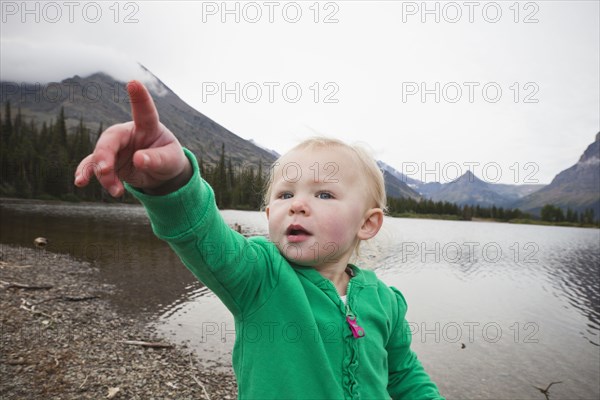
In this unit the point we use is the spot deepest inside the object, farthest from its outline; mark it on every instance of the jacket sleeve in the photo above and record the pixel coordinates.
(407, 378)
(238, 270)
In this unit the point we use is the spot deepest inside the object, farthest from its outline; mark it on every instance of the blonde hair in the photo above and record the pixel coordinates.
(366, 164)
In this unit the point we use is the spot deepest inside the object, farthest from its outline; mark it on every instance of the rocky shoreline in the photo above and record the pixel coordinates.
(61, 339)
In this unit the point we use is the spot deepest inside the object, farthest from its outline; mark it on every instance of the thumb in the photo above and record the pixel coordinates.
(162, 163)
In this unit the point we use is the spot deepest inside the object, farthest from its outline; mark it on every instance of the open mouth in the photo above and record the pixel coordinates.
(296, 232)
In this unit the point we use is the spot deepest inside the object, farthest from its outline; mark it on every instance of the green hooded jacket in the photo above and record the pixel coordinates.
(295, 337)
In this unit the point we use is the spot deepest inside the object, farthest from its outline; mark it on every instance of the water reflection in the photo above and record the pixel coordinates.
(573, 273)
(144, 271)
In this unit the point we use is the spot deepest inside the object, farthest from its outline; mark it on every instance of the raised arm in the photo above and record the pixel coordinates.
(142, 152)
(147, 156)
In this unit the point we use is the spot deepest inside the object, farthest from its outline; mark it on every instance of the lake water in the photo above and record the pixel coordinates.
(523, 300)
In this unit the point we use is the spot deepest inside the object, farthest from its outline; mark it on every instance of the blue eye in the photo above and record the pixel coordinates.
(324, 195)
(285, 195)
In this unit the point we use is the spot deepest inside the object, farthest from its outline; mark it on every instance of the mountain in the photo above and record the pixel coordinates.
(577, 187)
(100, 99)
(515, 192)
(474, 191)
(412, 183)
(273, 152)
(396, 188)
(470, 190)
(429, 189)
(396, 183)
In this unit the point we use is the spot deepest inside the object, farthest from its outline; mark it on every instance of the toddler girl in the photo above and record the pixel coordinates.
(309, 325)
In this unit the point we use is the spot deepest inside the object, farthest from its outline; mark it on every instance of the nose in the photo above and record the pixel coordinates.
(299, 206)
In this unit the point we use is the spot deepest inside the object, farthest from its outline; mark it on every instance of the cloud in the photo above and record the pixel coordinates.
(27, 61)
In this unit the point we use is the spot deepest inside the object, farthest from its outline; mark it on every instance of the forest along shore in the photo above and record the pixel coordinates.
(60, 338)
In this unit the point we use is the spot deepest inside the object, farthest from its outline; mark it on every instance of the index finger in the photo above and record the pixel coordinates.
(143, 109)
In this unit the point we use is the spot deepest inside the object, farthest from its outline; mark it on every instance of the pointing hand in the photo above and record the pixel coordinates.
(142, 152)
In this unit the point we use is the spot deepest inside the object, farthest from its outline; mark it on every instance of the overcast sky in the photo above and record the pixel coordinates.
(509, 90)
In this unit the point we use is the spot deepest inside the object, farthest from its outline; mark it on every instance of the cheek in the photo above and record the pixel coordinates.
(337, 228)
(275, 219)
(272, 221)
(343, 223)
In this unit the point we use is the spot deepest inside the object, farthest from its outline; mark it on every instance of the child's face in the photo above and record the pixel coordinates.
(318, 206)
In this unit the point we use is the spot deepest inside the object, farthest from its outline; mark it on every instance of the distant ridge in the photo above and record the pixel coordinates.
(577, 187)
(465, 190)
(100, 99)
(470, 190)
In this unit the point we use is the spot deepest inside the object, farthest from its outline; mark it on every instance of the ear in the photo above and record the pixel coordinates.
(267, 212)
(371, 224)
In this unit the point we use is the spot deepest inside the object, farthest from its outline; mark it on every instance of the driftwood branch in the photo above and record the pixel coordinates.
(201, 385)
(27, 306)
(19, 361)
(146, 344)
(8, 285)
(84, 381)
(67, 298)
(198, 380)
(546, 391)
(78, 298)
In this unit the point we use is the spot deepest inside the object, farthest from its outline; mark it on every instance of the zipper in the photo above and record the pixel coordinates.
(357, 331)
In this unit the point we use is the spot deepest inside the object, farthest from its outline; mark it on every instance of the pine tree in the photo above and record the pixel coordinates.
(61, 128)
(56, 182)
(5, 145)
(258, 188)
(467, 212)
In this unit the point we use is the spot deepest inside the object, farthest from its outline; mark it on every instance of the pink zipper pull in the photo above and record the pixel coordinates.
(357, 331)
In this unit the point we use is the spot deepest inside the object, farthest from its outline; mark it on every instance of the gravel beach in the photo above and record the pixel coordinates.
(61, 339)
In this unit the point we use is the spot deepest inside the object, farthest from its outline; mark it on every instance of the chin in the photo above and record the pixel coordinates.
(301, 261)
(293, 255)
